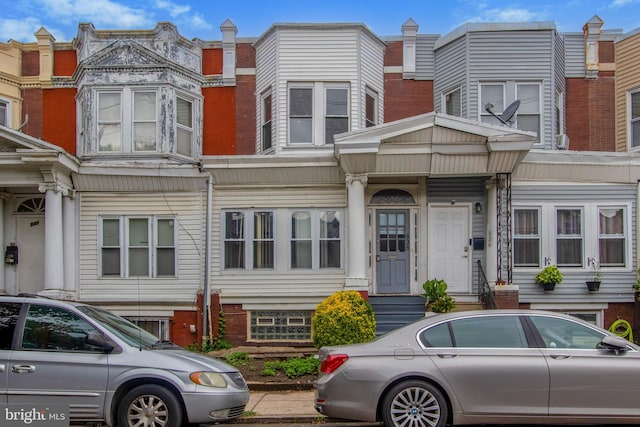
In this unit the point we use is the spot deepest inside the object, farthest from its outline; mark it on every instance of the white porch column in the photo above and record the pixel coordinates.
(69, 242)
(357, 268)
(491, 255)
(53, 242)
(3, 279)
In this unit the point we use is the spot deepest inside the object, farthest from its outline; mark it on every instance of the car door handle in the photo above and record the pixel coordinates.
(23, 369)
(560, 356)
(447, 355)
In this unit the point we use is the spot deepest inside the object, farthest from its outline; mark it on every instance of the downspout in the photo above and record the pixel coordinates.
(637, 224)
(207, 256)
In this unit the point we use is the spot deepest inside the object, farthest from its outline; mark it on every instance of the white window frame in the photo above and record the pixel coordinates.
(266, 121)
(124, 247)
(632, 120)
(184, 127)
(100, 122)
(316, 239)
(483, 115)
(538, 113)
(370, 93)
(248, 238)
(7, 111)
(591, 246)
(580, 236)
(318, 110)
(445, 95)
(537, 236)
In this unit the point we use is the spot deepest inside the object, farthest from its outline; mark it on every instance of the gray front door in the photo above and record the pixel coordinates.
(392, 251)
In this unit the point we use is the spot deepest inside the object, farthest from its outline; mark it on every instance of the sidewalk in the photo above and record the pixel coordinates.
(281, 407)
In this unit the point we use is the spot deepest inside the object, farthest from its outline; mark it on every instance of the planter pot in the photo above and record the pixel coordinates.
(593, 286)
(548, 286)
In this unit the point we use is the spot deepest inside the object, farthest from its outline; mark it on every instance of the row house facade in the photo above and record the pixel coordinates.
(141, 171)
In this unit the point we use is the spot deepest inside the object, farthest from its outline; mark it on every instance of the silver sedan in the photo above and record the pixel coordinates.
(484, 367)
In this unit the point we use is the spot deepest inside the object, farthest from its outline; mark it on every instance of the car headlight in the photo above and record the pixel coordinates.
(208, 379)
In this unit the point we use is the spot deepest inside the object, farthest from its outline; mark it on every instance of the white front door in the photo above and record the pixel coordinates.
(30, 241)
(449, 249)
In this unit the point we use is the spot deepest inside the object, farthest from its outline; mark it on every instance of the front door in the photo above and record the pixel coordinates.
(392, 251)
(449, 248)
(30, 267)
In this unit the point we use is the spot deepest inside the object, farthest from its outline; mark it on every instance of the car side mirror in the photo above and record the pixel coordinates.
(613, 343)
(97, 340)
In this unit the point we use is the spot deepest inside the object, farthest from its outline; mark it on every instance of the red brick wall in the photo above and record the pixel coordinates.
(211, 61)
(625, 311)
(246, 114)
(59, 118)
(393, 54)
(589, 113)
(236, 324)
(64, 62)
(406, 98)
(30, 63)
(32, 106)
(606, 52)
(245, 56)
(180, 324)
(219, 111)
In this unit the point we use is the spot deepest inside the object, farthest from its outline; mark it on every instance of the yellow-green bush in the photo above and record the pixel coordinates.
(343, 318)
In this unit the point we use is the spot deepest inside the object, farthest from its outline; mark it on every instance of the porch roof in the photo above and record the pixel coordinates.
(432, 144)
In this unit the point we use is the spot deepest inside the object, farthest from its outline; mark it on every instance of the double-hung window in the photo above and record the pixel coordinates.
(144, 121)
(634, 119)
(315, 239)
(371, 108)
(611, 236)
(260, 249)
(569, 237)
(528, 114)
(143, 246)
(266, 135)
(491, 98)
(526, 237)
(452, 103)
(317, 112)
(4, 113)
(109, 122)
(184, 126)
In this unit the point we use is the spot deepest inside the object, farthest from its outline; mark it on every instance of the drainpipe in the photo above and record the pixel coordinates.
(207, 256)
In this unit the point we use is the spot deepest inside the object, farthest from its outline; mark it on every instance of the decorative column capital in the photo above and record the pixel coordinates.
(4, 195)
(363, 178)
(55, 187)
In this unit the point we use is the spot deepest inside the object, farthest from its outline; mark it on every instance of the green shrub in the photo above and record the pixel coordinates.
(237, 359)
(343, 318)
(292, 368)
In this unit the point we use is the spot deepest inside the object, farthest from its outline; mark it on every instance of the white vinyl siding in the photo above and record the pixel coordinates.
(181, 212)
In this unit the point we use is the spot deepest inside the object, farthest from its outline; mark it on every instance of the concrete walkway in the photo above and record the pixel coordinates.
(281, 406)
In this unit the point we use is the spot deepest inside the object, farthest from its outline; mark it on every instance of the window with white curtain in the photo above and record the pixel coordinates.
(138, 246)
(526, 237)
(570, 236)
(611, 237)
(330, 239)
(569, 246)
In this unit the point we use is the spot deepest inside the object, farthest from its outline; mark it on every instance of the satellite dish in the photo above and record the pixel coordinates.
(507, 114)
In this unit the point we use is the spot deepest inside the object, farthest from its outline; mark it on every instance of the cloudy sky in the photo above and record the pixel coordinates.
(20, 19)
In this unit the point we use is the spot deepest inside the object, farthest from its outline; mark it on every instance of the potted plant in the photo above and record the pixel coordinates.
(436, 297)
(596, 276)
(549, 277)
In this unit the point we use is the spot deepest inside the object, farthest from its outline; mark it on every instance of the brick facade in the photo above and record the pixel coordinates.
(589, 113)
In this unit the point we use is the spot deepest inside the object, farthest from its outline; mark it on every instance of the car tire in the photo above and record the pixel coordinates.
(149, 405)
(414, 403)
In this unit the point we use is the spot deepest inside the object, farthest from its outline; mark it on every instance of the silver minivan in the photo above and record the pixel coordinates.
(104, 368)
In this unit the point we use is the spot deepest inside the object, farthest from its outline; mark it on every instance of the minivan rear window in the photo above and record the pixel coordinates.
(9, 313)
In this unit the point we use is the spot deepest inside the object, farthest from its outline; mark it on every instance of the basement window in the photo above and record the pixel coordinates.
(280, 326)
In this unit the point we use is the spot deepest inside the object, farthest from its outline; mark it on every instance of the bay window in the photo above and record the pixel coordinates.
(452, 102)
(528, 114)
(371, 108)
(144, 121)
(184, 127)
(109, 122)
(137, 247)
(266, 135)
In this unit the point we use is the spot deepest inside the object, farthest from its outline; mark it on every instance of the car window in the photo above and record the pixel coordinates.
(563, 333)
(489, 332)
(54, 328)
(9, 313)
(437, 336)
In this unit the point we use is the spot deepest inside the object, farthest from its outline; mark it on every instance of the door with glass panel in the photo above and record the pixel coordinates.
(392, 251)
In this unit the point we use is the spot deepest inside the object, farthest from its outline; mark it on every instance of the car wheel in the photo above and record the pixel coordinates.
(149, 406)
(414, 404)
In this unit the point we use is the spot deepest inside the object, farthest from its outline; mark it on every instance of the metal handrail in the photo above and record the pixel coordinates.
(485, 294)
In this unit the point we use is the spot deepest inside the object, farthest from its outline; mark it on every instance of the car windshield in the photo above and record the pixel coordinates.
(121, 327)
